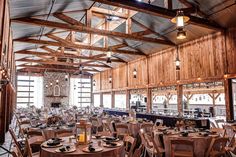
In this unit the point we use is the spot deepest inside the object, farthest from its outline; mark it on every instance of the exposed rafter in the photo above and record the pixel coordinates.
(60, 63)
(65, 55)
(159, 11)
(86, 29)
(55, 68)
(75, 46)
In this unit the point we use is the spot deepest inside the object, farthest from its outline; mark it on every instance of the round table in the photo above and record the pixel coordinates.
(201, 143)
(107, 152)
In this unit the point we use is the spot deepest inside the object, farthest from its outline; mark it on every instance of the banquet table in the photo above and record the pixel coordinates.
(201, 143)
(106, 152)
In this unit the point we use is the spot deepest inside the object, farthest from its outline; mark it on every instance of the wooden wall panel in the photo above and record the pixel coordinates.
(119, 76)
(105, 84)
(142, 79)
(231, 50)
(161, 67)
(202, 58)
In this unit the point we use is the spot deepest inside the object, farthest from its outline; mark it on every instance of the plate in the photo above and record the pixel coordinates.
(97, 149)
(115, 140)
(47, 146)
(110, 146)
(72, 149)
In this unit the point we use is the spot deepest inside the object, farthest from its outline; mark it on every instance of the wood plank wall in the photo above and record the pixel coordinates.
(7, 63)
(206, 58)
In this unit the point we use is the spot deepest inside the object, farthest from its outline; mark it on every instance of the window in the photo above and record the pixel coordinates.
(29, 91)
(80, 92)
(120, 101)
(96, 100)
(107, 100)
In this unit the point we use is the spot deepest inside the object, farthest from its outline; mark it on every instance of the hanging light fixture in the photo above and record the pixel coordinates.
(110, 79)
(109, 53)
(46, 86)
(135, 73)
(51, 84)
(66, 77)
(57, 81)
(181, 34)
(177, 61)
(80, 69)
(180, 19)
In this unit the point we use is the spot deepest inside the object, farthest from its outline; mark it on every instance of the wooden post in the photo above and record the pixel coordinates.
(112, 99)
(188, 97)
(180, 98)
(229, 100)
(214, 97)
(127, 100)
(149, 100)
(101, 100)
(3, 114)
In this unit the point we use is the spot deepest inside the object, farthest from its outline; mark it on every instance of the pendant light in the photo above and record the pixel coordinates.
(180, 19)
(80, 70)
(66, 77)
(181, 34)
(109, 53)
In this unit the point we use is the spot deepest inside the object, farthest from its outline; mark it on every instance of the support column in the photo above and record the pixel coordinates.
(3, 96)
(149, 100)
(127, 99)
(101, 100)
(112, 99)
(229, 100)
(180, 98)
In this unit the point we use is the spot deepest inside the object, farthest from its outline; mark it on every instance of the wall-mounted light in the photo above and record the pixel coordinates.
(177, 60)
(135, 73)
(66, 77)
(80, 70)
(94, 82)
(110, 79)
(57, 81)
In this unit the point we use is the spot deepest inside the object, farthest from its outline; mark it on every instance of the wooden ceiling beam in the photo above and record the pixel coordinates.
(85, 29)
(65, 55)
(55, 68)
(76, 46)
(67, 19)
(159, 11)
(60, 63)
(109, 12)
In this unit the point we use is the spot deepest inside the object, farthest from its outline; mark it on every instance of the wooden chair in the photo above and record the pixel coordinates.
(147, 127)
(63, 133)
(16, 152)
(139, 151)
(29, 150)
(121, 130)
(19, 147)
(220, 123)
(148, 143)
(229, 131)
(186, 151)
(129, 143)
(158, 147)
(219, 131)
(217, 147)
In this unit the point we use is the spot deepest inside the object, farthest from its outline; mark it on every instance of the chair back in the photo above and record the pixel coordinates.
(28, 148)
(139, 151)
(219, 131)
(13, 135)
(220, 123)
(122, 129)
(129, 143)
(217, 147)
(148, 127)
(186, 150)
(229, 131)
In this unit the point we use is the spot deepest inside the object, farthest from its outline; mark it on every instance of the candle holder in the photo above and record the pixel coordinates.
(83, 132)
